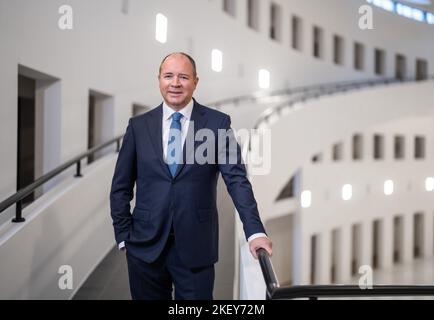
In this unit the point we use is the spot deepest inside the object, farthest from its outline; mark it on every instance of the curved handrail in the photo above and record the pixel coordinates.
(286, 91)
(326, 89)
(21, 194)
(275, 291)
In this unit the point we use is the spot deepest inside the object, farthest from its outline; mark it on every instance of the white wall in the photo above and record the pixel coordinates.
(62, 228)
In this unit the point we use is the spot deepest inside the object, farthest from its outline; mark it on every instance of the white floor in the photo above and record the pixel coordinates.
(418, 272)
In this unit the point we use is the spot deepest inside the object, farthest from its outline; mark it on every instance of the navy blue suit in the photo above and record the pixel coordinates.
(184, 205)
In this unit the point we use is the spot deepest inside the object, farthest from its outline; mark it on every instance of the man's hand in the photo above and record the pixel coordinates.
(261, 242)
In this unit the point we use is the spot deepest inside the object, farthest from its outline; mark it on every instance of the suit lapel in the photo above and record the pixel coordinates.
(155, 132)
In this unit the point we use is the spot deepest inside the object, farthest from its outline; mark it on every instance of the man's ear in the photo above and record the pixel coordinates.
(197, 81)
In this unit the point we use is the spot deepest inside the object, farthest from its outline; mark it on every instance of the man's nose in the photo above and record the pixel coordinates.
(175, 82)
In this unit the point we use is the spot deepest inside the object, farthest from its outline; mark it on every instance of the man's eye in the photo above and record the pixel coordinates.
(184, 77)
(167, 77)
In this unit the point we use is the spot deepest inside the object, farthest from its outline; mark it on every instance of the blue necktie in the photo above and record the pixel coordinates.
(174, 147)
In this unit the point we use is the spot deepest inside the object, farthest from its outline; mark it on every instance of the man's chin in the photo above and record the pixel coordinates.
(177, 103)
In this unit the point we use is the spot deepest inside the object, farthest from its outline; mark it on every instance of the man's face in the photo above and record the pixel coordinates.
(177, 82)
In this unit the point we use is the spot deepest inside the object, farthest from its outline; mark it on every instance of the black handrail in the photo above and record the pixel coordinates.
(304, 89)
(274, 291)
(23, 193)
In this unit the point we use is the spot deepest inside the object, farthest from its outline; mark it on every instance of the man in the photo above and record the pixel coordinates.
(171, 238)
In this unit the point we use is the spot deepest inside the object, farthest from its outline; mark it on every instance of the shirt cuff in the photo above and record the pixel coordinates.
(121, 245)
(256, 235)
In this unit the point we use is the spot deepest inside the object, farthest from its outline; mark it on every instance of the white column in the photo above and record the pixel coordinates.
(300, 252)
(347, 149)
(264, 17)
(368, 146)
(366, 244)
(386, 243)
(241, 11)
(323, 266)
(408, 147)
(301, 263)
(407, 250)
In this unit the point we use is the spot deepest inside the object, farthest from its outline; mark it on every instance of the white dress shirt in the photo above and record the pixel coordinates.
(185, 122)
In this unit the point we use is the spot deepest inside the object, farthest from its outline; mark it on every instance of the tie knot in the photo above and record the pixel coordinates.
(176, 116)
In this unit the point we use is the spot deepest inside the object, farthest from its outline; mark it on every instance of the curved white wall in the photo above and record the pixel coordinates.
(302, 133)
(330, 212)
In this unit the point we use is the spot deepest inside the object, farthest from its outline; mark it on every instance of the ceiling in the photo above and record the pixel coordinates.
(426, 5)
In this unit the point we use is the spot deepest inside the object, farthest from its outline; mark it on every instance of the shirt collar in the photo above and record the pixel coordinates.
(186, 111)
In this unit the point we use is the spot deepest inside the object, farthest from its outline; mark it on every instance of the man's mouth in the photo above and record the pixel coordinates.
(175, 93)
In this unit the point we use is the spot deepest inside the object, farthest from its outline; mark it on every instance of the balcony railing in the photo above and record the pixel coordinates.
(18, 197)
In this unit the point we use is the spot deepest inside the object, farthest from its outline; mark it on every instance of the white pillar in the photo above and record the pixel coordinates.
(300, 252)
(264, 18)
(386, 243)
(366, 244)
(241, 11)
(301, 262)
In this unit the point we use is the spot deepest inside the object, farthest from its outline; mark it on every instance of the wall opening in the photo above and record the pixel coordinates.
(253, 14)
(380, 62)
(338, 50)
(357, 147)
(26, 135)
(275, 22)
(359, 56)
(313, 258)
(317, 42)
(336, 253)
(139, 109)
(296, 33)
(377, 229)
(356, 248)
(317, 158)
(418, 235)
(100, 123)
(400, 67)
(419, 147)
(378, 147)
(398, 238)
(399, 147)
(421, 69)
(38, 128)
(289, 190)
(337, 153)
(229, 6)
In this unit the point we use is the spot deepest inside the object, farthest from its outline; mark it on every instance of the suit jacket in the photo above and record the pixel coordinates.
(187, 201)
